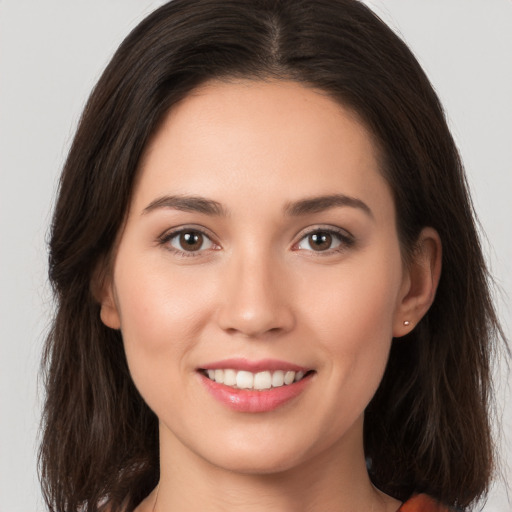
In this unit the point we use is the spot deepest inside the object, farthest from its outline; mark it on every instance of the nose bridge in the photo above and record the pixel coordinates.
(255, 301)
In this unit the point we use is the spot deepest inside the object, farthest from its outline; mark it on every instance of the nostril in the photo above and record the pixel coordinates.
(251, 302)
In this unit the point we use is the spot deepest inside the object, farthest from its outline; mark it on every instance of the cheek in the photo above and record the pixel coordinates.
(352, 317)
(162, 313)
(358, 298)
(156, 300)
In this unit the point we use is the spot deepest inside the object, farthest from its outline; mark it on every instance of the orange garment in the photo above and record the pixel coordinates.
(422, 503)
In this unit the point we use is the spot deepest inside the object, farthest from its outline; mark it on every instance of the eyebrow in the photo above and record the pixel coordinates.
(322, 203)
(188, 204)
(305, 206)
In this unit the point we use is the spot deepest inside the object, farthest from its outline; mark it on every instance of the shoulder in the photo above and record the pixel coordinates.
(423, 503)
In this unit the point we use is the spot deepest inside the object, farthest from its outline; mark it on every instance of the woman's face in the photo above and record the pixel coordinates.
(260, 248)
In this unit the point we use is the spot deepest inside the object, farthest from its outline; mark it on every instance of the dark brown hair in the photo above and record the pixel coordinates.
(427, 428)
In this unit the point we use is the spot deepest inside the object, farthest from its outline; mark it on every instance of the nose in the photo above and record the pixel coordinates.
(256, 300)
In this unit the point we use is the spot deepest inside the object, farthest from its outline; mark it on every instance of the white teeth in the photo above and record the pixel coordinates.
(259, 381)
(262, 380)
(289, 377)
(229, 377)
(277, 379)
(244, 380)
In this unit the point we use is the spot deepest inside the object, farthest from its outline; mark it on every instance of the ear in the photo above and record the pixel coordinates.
(102, 288)
(419, 285)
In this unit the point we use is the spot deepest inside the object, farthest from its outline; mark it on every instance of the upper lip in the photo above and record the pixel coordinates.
(254, 366)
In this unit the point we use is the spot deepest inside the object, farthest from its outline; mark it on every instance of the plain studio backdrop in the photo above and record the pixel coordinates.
(51, 54)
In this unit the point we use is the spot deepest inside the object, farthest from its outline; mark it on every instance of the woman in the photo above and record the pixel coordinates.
(271, 294)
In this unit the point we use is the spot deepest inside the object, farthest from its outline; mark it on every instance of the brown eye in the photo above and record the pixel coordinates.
(188, 241)
(191, 240)
(325, 241)
(320, 241)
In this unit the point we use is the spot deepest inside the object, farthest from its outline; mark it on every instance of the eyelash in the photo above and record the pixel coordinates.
(345, 239)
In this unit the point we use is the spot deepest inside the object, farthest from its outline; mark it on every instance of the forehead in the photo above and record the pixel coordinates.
(274, 138)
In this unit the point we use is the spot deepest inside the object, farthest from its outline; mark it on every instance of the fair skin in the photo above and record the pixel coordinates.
(263, 277)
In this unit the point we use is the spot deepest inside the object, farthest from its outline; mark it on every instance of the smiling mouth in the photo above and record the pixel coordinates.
(260, 381)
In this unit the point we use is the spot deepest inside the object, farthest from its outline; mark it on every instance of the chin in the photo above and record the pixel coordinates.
(257, 458)
(263, 464)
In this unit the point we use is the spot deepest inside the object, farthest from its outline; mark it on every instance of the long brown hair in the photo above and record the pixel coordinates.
(427, 428)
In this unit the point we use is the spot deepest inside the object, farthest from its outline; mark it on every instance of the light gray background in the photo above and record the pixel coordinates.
(51, 54)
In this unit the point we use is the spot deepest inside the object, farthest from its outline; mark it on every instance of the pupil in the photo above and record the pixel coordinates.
(320, 241)
(191, 241)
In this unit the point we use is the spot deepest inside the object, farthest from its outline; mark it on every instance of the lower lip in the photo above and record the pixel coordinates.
(248, 400)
